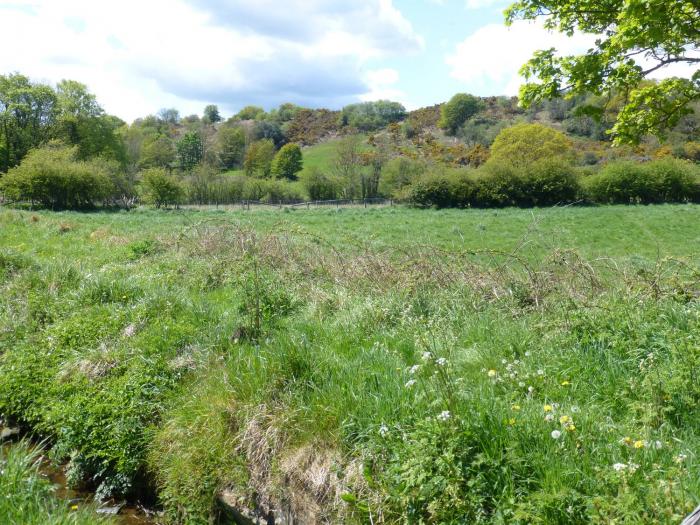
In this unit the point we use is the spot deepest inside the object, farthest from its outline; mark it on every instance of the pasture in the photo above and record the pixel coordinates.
(383, 365)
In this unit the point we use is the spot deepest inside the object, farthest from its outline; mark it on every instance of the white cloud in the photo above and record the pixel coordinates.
(491, 57)
(479, 4)
(139, 56)
(381, 84)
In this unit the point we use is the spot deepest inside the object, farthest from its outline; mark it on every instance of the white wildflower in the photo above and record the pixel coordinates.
(531, 389)
(441, 362)
(619, 466)
(549, 418)
(410, 383)
(556, 434)
(528, 354)
(383, 430)
(658, 444)
(680, 458)
(540, 372)
(521, 384)
(426, 356)
(503, 361)
(444, 415)
(413, 369)
(632, 467)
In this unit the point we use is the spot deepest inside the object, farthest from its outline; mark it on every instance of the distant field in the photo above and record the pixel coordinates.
(380, 365)
(610, 231)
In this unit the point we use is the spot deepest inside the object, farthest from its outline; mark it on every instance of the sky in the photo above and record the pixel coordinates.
(140, 56)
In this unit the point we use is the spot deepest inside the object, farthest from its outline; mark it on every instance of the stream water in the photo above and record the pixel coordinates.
(128, 513)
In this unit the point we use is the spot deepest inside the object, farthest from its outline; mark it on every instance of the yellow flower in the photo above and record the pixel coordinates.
(565, 383)
(515, 407)
(492, 373)
(564, 420)
(511, 421)
(639, 444)
(73, 507)
(627, 440)
(571, 428)
(548, 408)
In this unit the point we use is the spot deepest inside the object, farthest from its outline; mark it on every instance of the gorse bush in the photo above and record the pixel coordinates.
(665, 180)
(53, 177)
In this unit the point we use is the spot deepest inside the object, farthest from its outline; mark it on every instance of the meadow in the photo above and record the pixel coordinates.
(387, 365)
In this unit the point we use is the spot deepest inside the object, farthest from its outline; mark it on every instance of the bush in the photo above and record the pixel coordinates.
(523, 144)
(665, 180)
(161, 189)
(53, 177)
(442, 191)
(457, 111)
(371, 116)
(319, 186)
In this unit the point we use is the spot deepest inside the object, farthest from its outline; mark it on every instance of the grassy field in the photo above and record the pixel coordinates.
(384, 365)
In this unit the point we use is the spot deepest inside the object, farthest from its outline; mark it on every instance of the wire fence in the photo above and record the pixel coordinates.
(336, 203)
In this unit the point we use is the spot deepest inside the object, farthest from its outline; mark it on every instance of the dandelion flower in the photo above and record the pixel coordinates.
(575, 409)
(444, 415)
(410, 383)
(540, 372)
(531, 389)
(492, 373)
(521, 384)
(515, 407)
(556, 434)
(639, 444)
(528, 354)
(564, 420)
(426, 356)
(571, 427)
(511, 421)
(565, 383)
(549, 418)
(619, 466)
(627, 440)
(658, 444)
(548, 408)
(441, 362)
(73, 507)
(383, 430)
(503, 361)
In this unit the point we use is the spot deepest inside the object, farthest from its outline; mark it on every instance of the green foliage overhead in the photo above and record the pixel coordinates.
(460, 108)
(661, 32)
(371, 116)
(258, 158)
(524, 144)
(287, 162)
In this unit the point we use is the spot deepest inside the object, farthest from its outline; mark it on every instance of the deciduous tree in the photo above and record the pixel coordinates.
(635, 39)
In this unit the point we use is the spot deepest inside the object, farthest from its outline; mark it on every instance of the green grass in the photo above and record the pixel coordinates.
(266, 355)
(26, 496)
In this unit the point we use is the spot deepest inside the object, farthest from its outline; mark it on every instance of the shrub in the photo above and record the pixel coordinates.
(457, 111)
(547, 183)
(665, 180)
(161, 189)
(53, 177)
(370, 116)
(319, 186)
(523, 144)
(432, 191)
